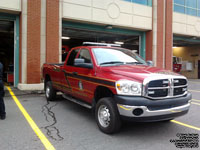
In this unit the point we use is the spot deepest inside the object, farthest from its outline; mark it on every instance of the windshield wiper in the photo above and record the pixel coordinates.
(133, 63)
(112, 62)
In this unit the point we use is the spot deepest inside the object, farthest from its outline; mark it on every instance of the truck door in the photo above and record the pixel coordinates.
(67, 80)
(84, 86)
(78, 76)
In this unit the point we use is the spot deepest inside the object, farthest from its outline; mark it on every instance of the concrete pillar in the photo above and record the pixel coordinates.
(43, 33)
(23, 43)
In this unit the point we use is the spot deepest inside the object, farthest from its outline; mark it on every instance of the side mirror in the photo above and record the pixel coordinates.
(150, 63)
(79, 62)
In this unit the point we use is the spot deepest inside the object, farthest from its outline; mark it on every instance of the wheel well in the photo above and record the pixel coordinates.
(47, 78)
(101, 92)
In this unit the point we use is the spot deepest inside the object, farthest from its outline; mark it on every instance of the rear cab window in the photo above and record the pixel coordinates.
(72, 56)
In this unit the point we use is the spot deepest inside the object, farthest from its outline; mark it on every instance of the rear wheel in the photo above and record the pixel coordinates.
(50, 92)
(107, 116)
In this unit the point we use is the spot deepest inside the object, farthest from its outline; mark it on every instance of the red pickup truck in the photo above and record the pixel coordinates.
(117, 84)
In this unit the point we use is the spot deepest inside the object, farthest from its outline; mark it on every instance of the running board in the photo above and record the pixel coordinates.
(77, 101)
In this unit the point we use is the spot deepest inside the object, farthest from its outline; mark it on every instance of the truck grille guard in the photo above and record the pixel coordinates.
(164, 87)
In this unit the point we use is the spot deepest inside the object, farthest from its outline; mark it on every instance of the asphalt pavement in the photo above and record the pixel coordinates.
(68, 126)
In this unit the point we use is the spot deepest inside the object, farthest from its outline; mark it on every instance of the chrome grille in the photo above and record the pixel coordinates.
(158, 92)
(159, 83)
(180, 86)
(165, 88)
(179, 82)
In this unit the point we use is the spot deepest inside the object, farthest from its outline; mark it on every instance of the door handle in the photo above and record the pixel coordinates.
(74, 73)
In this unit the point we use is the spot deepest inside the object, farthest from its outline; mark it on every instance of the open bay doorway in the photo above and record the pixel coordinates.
(7, 49)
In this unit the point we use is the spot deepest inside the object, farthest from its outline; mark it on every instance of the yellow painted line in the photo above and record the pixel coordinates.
(33, 125)
(186, 125)
(196, 100)
(193, 91)
(196, 103)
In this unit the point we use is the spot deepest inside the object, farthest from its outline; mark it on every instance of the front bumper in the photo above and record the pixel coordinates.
(143, 109)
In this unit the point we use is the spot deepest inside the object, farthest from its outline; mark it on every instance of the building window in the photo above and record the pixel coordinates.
(178, 8)
(191, 3)
(143, 2)
(191, 11)
(180, 2)
(189, 7)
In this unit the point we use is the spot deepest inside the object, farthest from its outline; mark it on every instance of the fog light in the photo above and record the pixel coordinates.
(138, 111)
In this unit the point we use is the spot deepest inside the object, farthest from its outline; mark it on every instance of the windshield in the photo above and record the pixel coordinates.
(109, 56)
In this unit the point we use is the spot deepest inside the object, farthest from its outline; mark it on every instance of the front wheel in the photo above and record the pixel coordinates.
(107, 116)
(50, 92)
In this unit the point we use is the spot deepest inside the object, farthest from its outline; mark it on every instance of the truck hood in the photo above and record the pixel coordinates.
(137, 72)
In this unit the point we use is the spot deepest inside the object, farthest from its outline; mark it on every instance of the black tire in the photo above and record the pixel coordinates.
(112, 124)
(50, 92)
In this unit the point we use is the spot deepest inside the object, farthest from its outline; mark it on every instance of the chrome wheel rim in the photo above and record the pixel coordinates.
(47, 91)
(104, 116)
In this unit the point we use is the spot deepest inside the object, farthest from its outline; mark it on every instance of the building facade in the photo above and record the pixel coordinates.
(34, 32)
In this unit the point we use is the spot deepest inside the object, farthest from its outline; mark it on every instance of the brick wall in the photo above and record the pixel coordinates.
(168, 34)
(160, 23)
(33, 41)
(164, 36)
(52, 31)
(149, 45)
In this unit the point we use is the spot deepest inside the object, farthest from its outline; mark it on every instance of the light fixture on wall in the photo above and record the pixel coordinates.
(65, 37)
(108, 27)
(194, 37)
(118, 42)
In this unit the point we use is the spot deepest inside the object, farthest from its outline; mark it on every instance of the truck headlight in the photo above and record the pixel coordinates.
(127, 87)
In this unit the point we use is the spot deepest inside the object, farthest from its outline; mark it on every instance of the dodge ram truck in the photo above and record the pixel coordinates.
(117, 84)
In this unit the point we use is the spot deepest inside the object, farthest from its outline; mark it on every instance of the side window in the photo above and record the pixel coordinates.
(84, 54)
(72, 56)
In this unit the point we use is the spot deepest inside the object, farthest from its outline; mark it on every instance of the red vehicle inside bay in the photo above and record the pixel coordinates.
(118, 85)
